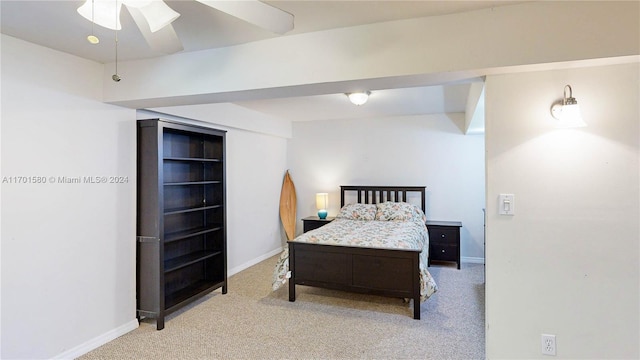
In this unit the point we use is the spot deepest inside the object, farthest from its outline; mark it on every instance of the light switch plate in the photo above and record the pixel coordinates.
(506, 204)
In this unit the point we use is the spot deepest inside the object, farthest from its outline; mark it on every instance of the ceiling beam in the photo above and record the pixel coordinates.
(439, 49)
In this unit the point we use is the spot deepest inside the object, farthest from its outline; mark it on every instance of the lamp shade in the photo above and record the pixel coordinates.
(570, 117)
(322, 201)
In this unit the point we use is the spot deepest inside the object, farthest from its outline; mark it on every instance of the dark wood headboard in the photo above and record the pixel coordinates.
(379, 194)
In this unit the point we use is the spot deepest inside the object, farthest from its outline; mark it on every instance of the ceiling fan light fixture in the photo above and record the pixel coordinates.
(102, 13)
(359, 98)
(158, 15)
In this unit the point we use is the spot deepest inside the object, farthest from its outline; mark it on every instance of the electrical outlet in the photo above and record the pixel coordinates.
(548, 344)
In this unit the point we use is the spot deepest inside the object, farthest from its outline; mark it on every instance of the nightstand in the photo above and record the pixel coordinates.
(444, 241)
(313, 222)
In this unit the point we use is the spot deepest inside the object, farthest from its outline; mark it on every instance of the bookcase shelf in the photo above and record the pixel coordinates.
(179, 235)
(189, 209)
(188, 259)
(192, 183)
(181, 207)
(191, 159)
(177, 299)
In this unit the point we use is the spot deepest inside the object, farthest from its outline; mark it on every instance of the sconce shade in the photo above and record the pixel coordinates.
(322, 202)
(359, 98)
(567, 112)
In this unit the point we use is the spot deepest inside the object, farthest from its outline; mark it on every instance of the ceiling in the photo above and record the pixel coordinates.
(57, 25)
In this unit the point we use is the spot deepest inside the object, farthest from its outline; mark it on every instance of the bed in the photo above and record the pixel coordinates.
(381, 253)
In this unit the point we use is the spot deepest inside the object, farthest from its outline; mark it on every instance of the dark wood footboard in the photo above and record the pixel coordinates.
(392, 273)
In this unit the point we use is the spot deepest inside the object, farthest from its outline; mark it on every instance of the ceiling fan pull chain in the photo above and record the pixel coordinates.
(115, 77)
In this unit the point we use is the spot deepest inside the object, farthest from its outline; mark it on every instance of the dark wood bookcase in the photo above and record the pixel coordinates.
(181, 216)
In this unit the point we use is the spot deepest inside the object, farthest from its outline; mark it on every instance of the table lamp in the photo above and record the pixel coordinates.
(322, 202)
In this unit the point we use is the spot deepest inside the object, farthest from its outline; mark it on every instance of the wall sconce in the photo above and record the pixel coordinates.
(359, 98)
(322, 203)
(567, 111)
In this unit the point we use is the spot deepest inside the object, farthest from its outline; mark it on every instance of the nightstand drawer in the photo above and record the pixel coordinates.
(442, 235)
(311, 225)
(313, 222)
(443, 252)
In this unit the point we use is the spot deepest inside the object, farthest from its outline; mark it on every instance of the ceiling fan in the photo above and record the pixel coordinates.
(154, 18)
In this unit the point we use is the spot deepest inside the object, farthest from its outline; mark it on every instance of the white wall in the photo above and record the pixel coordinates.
(255, 170)
(68, 250)
(568, 262)
(428, 150)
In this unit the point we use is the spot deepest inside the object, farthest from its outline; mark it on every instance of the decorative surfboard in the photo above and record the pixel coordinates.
(288, 206)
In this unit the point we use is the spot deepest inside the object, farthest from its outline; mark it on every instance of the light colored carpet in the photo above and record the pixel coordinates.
(253, 322)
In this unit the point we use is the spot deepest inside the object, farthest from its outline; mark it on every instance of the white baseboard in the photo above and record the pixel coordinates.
(473, 260)
(98, 341)
(252, 262)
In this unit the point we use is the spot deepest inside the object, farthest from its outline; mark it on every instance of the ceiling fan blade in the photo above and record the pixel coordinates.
(156, 13)
(164, 40)
(255, 12)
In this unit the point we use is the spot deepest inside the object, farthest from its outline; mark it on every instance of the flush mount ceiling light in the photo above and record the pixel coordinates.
(359, 98)
(567, 111)
(154, 18)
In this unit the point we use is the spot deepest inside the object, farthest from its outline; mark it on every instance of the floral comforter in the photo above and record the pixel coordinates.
(409, 235)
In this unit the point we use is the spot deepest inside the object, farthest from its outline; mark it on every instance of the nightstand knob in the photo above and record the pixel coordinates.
(443, 250)
(441, 235)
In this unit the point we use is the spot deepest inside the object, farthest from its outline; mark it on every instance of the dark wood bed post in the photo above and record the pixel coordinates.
(292, 280)
(416, 287)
